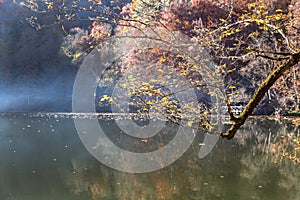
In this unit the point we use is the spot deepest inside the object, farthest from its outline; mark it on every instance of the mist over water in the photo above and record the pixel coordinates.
(35, 76)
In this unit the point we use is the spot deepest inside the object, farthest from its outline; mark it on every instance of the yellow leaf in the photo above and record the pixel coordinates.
(160, 70)
(106, 98)
(50, 6)
(278, 16)
(230, 70)
(77, 55)
(162, 59)
(149, 103)
(251, 5)
(231, 87)
(130, 76)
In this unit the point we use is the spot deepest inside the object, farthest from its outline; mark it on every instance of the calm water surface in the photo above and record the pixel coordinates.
(42, 157)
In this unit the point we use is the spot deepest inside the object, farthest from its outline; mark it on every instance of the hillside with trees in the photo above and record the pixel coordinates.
(253, 45)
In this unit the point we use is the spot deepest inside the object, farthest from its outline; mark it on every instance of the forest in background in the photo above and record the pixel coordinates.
(40, 54)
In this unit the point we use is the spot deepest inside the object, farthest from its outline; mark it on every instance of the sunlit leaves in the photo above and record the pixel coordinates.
(162, 59)
(258, 14)
(98, 1)
(77, 55)
(234, 37)
(293, 153)
(106, 98)
(50, 5)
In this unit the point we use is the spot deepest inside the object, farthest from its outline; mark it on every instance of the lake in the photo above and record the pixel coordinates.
(42, 157)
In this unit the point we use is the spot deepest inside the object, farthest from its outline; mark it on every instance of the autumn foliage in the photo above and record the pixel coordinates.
(247, 41)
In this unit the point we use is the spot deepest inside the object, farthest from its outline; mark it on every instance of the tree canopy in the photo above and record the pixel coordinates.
(232, 52)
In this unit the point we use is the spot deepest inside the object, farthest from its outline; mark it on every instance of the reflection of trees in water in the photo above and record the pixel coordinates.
(250, 166)
(88, 177)
(253, 167)
(278, 139)
(100, 182)
(281, 179)
(273, 161)
(186, 179)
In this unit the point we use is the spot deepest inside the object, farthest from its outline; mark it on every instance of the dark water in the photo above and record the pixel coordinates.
(42, 157)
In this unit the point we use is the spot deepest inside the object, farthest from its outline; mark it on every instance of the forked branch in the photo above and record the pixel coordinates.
(259, 94)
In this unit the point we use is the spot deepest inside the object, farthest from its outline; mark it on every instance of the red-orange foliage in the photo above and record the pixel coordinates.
(202, 19)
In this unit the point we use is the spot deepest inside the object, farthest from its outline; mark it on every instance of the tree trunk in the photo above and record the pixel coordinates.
(259, 94)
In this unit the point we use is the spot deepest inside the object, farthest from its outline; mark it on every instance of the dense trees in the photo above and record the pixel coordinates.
(253, 44)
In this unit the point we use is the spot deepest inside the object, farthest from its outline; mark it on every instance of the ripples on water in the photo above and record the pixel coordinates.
(42, 157)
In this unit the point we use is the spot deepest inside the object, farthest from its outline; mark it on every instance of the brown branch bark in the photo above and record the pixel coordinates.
(259, 94)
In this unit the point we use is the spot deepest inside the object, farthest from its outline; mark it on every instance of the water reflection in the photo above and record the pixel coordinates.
(41, 157)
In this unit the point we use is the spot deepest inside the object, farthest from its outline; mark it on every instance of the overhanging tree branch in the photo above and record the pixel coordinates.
(259, 94)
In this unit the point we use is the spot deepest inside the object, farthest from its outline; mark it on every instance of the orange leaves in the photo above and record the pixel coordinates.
(162, 59)
(134, 4)
(97, 1)
(99, 31)
(253, 34)
(50, 5)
